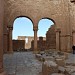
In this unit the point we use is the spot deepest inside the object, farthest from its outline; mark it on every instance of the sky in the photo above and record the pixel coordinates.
(24, 27)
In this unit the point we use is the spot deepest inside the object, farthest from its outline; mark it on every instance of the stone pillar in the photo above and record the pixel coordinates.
(73, 37)
(58, 39)
(35, 39)
(10, 39)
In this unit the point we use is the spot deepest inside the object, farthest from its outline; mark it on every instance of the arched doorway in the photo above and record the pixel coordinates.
(47, 34)
(22, 28)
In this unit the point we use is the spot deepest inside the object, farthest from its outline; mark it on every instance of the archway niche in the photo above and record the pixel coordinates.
(22, 27)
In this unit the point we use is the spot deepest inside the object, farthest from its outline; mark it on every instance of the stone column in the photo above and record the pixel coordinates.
(58, 39)
(10, 39)
(35, 39)
(73, 37)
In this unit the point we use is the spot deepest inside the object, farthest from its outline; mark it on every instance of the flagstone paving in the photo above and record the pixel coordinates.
(22, 63)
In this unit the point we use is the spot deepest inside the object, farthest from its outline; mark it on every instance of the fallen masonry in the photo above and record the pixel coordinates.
(57, 63)
(44, 63)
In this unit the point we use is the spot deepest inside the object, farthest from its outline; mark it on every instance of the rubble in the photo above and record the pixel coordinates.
(58, 62)
(43, 63)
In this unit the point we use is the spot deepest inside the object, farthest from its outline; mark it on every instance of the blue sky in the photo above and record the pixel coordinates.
(24, 27)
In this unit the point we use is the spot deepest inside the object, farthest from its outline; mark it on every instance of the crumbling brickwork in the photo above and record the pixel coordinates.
(18, 45)
(41, 44)
(51, 38)
(49, 42)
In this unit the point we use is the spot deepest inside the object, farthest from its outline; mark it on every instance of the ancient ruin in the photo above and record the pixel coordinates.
(61, 12)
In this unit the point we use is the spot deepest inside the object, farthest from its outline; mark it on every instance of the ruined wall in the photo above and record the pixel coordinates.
(46, 43)
(41, 44)
(29, 40)
(18, 45)
(57, 10)
(51, 38)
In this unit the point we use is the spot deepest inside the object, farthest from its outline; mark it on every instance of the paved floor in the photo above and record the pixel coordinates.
(22, 63)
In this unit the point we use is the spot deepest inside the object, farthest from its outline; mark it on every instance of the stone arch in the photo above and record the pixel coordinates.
(23, 16)
(16, 14)
(49, 19)
(50, 34)
(10, 28)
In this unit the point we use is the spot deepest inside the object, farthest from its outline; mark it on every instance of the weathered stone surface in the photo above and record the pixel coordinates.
(1, 36)
(58, 64)
(61, 12)
(18, 45)
(51, 38)
(22, 63)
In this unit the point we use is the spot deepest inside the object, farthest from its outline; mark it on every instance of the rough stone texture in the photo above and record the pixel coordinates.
(29, 39)
(22, 63)
(18, 45)
(47, 43)
(51, 38)
(1, 35)
(57, 62)
(61, 12)
(41, 44)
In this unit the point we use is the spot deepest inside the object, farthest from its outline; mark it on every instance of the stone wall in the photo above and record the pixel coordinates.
(18, 45)
(46, 43)
(41, 44)
(1, 35)
(29, 40)
(51, 38)
(61, 12)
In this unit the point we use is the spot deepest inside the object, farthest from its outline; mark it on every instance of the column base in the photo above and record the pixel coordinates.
(3, 73)
(35, 52)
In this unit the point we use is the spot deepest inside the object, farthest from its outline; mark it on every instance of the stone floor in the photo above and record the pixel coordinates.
(57, 63)
(22, 63)
(25, 63)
